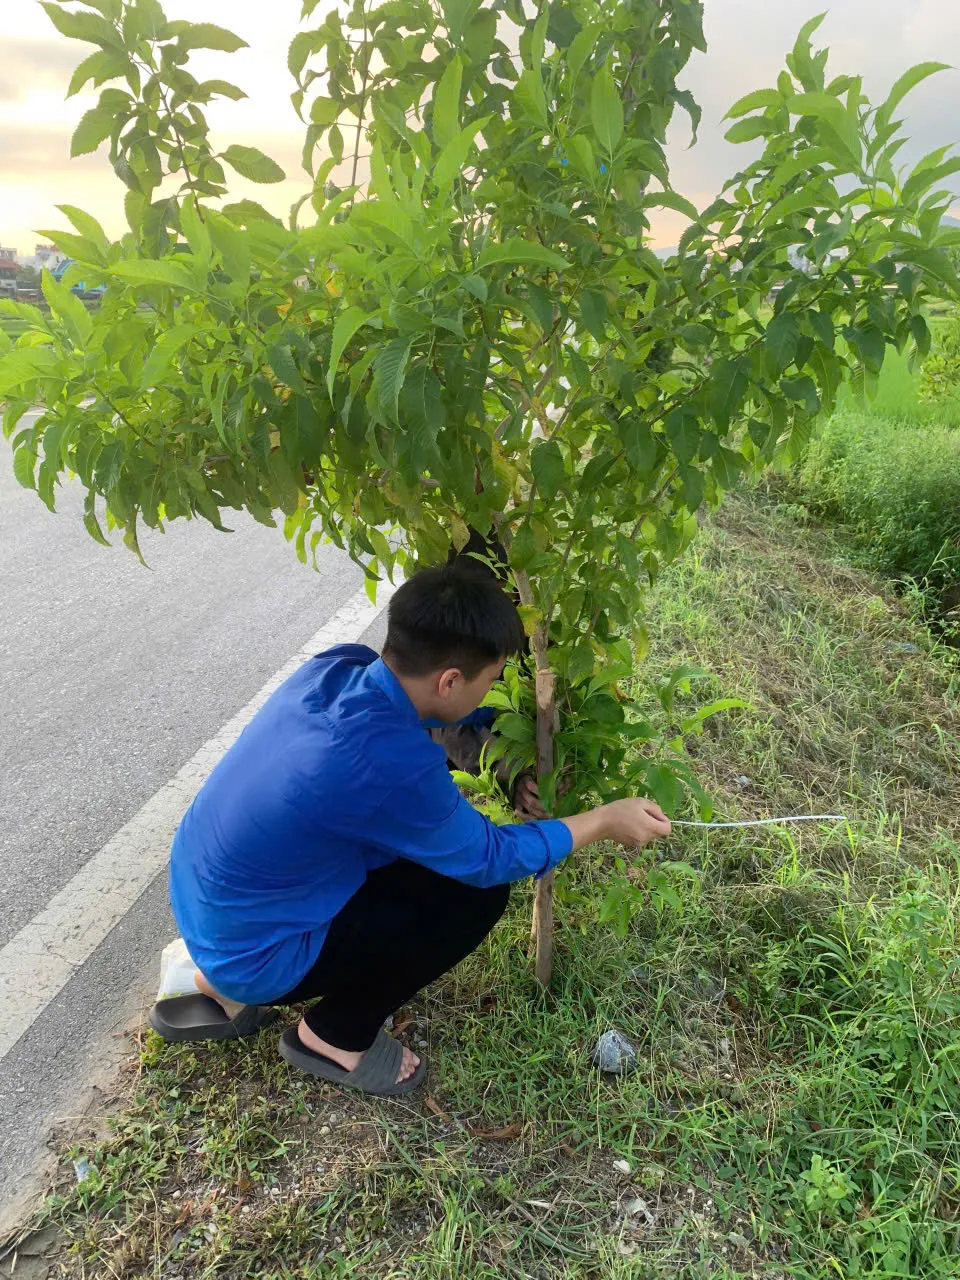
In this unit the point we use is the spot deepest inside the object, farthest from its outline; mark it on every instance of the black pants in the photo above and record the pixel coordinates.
(402, 929)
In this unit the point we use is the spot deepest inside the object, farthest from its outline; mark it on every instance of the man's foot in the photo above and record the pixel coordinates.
(351, 1060)
(230, 1007)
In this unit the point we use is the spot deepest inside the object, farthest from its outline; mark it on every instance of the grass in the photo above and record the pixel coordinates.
(795, 1110)
(889, 470)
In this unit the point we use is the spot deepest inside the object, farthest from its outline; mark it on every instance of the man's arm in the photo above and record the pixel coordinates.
(428, 821)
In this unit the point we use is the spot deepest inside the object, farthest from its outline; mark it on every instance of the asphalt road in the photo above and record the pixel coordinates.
(111, 678)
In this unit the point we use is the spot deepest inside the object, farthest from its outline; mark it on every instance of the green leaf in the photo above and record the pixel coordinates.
(475, 285)
(24, 465)
(68, 308)
(582, 157)
(802, 390)
(83, 26)
(232, 246)
(389, 368)
(446, 104)
(594, 312)
(251, 163)
(909, 80)
(452, 157)
(831, 111)
(563, 26)
(206, 35)
(822, 325)
(224, 89)
(581, 48)
(346, 325)
(284, 365)
(921, 333)
(421, 404)
(518, 252)
(781, 338)
(95, 127)
(523, 547)
(99, 66)
(759, 99)
(245, 213)
(671, 200)
(541, 303)
(548, 469)
(112, 9)
(90, 521)
(869, 344)
(684, 432)
(303, 44)
(161, 271)
(455, 15)
(747, 130)
(728, 385)
(685, 99)
(638, 443)
(162, 352)
(87, 225)
(529, 92)
(606, 110)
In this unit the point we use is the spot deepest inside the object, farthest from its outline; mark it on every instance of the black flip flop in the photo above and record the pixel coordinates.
(377, 1072)
(200, 1018)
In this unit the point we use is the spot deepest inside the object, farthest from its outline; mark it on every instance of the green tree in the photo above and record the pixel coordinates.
(475, 334)
(28, 277)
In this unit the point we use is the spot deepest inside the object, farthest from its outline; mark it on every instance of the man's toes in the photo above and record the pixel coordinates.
(408, 1066)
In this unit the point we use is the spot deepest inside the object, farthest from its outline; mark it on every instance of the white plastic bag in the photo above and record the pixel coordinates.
(176, 971)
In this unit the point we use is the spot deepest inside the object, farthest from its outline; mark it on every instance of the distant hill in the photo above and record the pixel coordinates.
(950, 222)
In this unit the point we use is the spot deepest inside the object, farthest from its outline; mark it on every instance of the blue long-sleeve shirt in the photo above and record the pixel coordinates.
(334, 776)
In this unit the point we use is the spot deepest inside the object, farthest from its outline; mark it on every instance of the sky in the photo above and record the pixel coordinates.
(747, 42)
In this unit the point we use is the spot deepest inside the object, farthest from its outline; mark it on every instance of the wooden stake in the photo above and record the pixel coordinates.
(541, 926)
(543, 902)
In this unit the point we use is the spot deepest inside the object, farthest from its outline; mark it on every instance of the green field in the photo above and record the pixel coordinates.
(795, 1111)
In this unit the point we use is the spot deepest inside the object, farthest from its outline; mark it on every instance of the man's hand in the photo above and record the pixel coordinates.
(527, 804)
(630, 822)
(635, 822)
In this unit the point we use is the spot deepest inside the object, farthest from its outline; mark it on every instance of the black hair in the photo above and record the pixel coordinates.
(455, 615)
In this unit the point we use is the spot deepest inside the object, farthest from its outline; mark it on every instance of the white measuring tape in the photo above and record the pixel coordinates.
(765, 822)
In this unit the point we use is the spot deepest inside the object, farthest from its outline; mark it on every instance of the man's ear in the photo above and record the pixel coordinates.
(448, 681)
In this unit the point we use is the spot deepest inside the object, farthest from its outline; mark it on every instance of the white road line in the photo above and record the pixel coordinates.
(39, 960)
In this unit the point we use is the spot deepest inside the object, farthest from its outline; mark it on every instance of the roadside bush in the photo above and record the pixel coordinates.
(940, 376)
(896, 483)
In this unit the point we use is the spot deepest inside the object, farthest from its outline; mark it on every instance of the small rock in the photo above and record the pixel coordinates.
(274, 1191)
(709, 988)
(614, 1053)
(320, 1168)
(389, 1023)
(245, 1208)
(81, 1168)
(744, 781)
(740, 1241)
(622, 1166)
(635, 1208)
(177, 1195)
(901, 646)
(324, 1130)
(421, 1043)
(642, 975)
(334, 1117)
